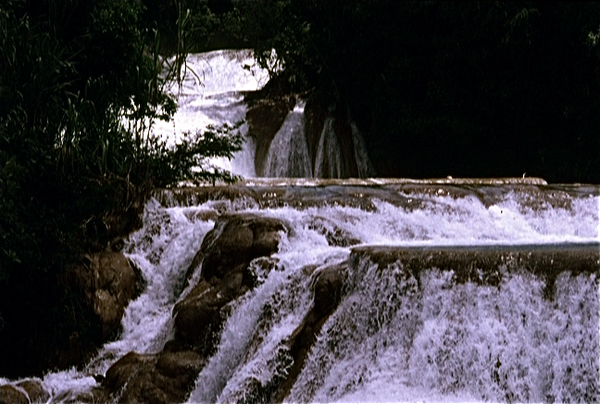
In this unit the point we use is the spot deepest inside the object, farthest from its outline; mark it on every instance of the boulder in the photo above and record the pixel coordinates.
(198, 316)
(244, 237)
(336, 236)
(166, 377)
(35, 391)
(11, 395)
(224, 257)
(267, 110)
(116, 283)
(328, 289)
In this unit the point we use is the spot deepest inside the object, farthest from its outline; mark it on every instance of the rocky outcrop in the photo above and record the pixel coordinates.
(225, 255)
(328, 290)
(486, 265)
(106, 282)
(165, 377)
(11, 395)
(26, 391)
(35, 391)
(267, 109)
(334, 145)
(226, 274)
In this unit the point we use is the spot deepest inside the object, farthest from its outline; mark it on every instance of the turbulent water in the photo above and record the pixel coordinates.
(393, 337)
(390, 339)
(212, 93)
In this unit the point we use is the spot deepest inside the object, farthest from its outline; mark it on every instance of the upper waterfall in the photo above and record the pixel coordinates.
(288, 137)
(211, 94)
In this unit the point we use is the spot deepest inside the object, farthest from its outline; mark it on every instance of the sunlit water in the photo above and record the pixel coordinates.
(212, 93)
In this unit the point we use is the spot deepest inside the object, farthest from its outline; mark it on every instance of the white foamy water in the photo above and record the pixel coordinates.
(442, 342)
(162, 249)
(212, 94)
(390, 341)
(438, 342)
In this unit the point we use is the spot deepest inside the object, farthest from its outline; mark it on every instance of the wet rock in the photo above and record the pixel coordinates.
(114, 283)
(35, 391)
(243, 238)
(105, 283)
(224, 257)
(198, 317)
(328, 289)
(336, 237)
(125, 368)
(329, 285)
(486, 265)
(153, 378)
(11, 395)
(267, 110)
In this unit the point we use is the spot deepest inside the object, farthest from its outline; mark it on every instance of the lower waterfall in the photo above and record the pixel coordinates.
(448, 292)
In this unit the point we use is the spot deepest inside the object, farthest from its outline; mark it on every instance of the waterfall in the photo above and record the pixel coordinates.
(329, 161)
(379, 290)
(288, 154)
(212, 93)
(446, 296)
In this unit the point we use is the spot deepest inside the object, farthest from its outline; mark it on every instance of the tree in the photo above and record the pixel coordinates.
(80, 85)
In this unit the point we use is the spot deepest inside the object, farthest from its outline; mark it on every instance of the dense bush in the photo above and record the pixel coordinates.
(81, 83)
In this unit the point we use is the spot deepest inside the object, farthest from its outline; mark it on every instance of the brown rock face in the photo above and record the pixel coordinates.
(225, 255)
(110, 283)
(106, 281)
(11, 395)
(329, 286)
(35, 391)
(267, 109)
(244, 237)
(166, 377)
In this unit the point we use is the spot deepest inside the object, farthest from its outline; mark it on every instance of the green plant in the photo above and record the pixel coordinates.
(81, 84)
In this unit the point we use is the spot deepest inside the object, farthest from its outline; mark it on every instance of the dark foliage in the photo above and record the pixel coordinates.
(80, 84)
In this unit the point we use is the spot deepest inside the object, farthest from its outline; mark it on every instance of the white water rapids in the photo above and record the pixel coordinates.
(391, 339)
(443, 342)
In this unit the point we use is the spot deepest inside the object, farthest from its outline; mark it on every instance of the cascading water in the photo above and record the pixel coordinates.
(288, 154)
(212, 93)
(394, 336)
(397, 333)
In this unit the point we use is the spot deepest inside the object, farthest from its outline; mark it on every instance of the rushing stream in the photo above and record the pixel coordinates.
(396, 336)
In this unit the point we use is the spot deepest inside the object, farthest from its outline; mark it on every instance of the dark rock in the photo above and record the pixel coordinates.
(158, 378)
(176, 364)
(198, 317)
(11, 395)
(224, 257)
(335, 236)
(243, 238)
(116, 283)
(119, 374)
(267, 110)
(328, 286)
(105, 282)
(35, 391)
(486, 265)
